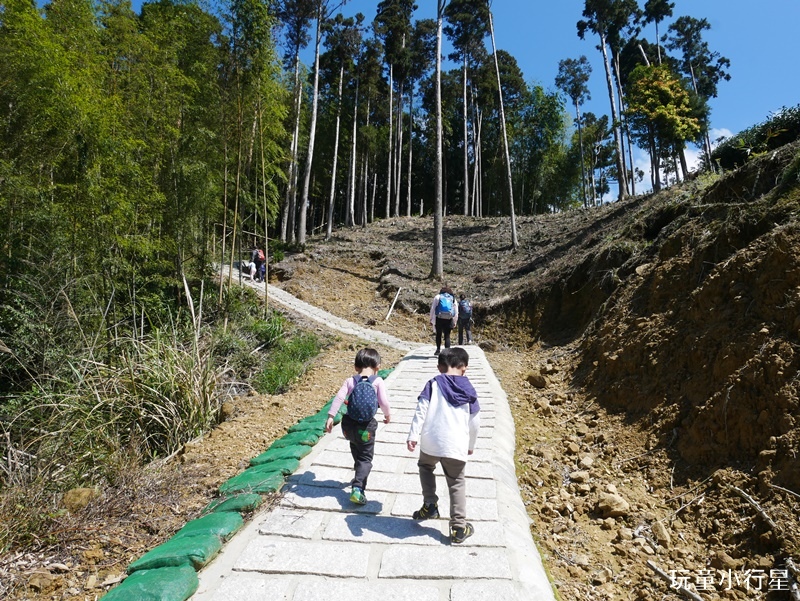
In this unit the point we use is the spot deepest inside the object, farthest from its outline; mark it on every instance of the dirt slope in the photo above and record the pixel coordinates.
(649, 349)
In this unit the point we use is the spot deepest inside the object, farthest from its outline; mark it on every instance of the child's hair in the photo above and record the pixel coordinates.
(367, 357)
(455, 357)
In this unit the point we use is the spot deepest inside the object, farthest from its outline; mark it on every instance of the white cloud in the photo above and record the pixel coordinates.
(715, 133)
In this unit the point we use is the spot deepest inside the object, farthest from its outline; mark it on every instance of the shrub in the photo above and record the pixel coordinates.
(269, 331)
(781, 128)
(287, 362)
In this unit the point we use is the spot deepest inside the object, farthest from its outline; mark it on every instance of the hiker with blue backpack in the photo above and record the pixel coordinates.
(464, 319)
(444, 313)
(363, 393)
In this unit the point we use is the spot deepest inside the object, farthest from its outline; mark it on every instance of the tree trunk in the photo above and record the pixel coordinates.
(224, 216)
(287, 203)
(655, 175)
(335, 157)
(465, 192)
(301, 225)
(410, 149)
(623, 188)
(682, 157)
(353, 161)
(437, 271)
(266, 219)
(658, 45)
(391, 146)
(399, 152)
(514, 242)
(372, 200)
(583, 161)
(624, 125)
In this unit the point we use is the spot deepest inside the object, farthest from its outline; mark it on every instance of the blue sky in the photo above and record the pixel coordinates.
(761, 39)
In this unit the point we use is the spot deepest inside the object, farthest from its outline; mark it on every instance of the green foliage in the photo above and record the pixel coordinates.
(269, 331)
(779, 129)
(286, 363)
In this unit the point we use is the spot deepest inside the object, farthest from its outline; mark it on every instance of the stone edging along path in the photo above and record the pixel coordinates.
(316, 545)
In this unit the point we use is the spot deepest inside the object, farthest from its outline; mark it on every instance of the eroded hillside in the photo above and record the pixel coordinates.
(650, 351)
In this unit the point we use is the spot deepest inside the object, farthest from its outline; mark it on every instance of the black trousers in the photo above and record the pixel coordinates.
(362, 447)
(443, 327)
(464, 325)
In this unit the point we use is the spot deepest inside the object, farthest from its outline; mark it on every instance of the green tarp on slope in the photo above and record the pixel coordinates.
(223, 525)
(164, 584)
(297, 451)
(194, 551)
(242, 502)
(307, 437)
(253, 480)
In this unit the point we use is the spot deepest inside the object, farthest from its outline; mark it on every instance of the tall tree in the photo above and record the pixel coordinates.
(393, 25)
(323, 9)
(468, 25)
(704, 68)
(573, 76)
(514, 241)
(296, 17)
(422, 48)
(606, 18)
(661, 110)
(343, 41)
(656, 11)
(437, 270)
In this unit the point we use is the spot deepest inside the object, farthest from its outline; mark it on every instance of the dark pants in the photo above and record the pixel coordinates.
(362, 447)
(462, 326)
(443, 327)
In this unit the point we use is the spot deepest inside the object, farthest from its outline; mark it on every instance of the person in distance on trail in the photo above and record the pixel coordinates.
(444, 313)
(363, 393)
(464, 319)
(257, 259)
(446, 424)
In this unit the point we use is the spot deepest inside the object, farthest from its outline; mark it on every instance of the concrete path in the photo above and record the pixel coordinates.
(317, 545)
(328, 319)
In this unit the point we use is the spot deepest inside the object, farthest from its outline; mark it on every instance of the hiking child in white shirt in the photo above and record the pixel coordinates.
(446, 425)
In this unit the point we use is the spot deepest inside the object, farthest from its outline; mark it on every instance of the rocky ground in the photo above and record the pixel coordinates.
(649, 350)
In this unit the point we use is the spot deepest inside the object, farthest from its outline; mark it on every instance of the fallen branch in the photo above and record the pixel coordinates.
(791, 492)
(680, 588)
(759, 510)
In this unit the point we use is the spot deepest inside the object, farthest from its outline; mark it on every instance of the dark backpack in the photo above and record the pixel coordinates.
(464, 310)
(444, 309)
(362, 403)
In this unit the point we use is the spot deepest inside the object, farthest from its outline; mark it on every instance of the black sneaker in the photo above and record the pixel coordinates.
(427, 512)
(459, 535)
(436, 352)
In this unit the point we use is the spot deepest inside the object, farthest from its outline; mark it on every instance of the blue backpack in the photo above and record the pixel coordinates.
(444, 309)
(362, 404)
(464, 310)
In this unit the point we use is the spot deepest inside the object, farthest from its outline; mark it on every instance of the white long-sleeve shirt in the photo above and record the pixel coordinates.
(442, 429)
